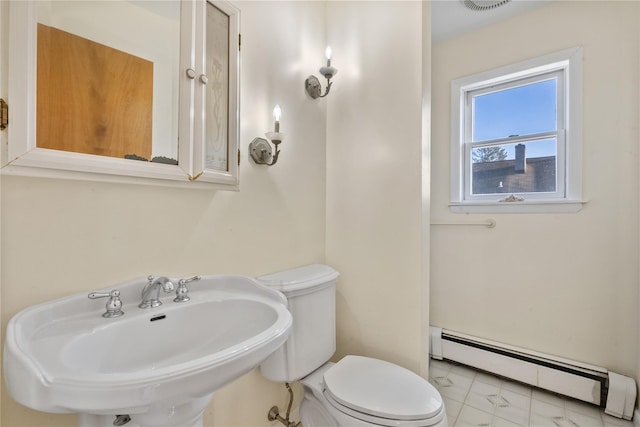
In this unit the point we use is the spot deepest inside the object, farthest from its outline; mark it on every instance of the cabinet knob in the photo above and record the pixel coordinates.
(191, 73)
(204, 79)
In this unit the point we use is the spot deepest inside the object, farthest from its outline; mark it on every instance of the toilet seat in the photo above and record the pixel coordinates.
(382, 393)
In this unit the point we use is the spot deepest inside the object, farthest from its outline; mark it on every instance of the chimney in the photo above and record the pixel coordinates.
(521, 159)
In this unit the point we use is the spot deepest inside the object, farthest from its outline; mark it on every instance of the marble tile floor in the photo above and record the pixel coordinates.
(474, 398)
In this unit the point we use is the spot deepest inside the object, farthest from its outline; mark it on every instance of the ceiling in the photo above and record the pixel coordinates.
(451, 18)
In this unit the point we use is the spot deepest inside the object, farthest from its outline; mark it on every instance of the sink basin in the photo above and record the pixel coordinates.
(63, 356)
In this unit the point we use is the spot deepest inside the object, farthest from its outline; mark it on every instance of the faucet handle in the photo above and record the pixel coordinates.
(189, 280)
(182, 291)
(114, 304)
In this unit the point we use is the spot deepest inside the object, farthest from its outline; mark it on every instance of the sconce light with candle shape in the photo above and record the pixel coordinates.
(260, 149)
(312, 84)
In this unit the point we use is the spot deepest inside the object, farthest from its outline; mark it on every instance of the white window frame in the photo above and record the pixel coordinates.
(566, 66)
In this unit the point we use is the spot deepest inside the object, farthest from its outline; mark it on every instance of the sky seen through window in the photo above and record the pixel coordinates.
(520, 110)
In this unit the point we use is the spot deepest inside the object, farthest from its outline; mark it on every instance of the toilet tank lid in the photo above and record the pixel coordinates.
(304, 277)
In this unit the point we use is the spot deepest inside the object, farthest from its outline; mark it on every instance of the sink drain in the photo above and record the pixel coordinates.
(121, 420)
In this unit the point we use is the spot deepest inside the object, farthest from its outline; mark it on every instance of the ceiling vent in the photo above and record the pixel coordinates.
(482, 5)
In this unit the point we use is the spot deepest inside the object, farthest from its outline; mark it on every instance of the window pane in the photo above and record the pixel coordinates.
(515, 168)
(519, 110)
(217, 90)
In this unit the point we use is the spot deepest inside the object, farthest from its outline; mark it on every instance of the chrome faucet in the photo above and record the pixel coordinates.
(154, 284)
(182, 291)
(114, 304)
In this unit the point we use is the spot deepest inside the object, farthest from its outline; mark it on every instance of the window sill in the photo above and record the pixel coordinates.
(527, 206)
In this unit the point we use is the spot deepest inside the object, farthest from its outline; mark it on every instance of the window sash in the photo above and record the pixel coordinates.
(560, 192)
(498, 85)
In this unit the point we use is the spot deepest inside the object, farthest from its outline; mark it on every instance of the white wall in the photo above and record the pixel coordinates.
(4, 19)
(374, 166)
(565, 284)
(637, 376)
(63, 237)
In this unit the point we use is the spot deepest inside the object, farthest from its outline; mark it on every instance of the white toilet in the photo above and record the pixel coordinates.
(356, 391)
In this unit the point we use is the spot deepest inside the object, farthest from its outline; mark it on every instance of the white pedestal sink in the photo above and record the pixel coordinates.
(159, 365)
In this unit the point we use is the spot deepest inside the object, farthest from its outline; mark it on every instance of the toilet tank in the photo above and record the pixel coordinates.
(310, 292)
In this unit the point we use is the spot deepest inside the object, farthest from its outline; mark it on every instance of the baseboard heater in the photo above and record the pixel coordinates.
(599, 386)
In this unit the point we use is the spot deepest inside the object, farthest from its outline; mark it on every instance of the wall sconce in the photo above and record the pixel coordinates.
(312, 84)
(260, 149)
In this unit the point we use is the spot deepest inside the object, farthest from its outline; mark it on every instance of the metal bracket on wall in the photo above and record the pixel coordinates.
(4, 114)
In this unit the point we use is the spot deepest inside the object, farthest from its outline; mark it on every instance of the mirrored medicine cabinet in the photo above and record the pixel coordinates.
(125, 90)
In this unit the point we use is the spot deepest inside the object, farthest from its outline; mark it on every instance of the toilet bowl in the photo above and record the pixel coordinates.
(355, 391)
(361, 391)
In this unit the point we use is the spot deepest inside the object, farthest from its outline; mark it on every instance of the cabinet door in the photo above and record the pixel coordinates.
(181, 120)
(211, 46)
